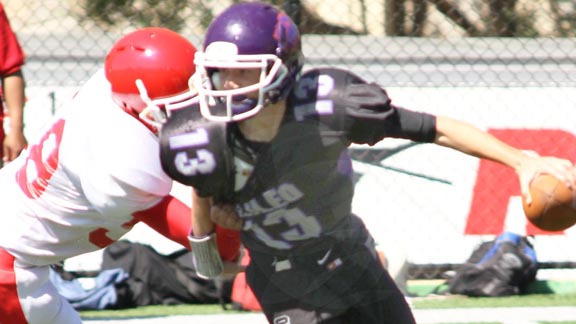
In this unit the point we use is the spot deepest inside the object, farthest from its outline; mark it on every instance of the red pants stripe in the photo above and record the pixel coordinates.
(10, 308)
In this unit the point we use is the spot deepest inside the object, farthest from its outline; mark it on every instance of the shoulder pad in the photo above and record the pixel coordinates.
(340, 99)
(194, 152)
(316, 90)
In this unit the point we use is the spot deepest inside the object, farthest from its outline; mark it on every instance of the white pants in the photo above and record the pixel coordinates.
(29, 297)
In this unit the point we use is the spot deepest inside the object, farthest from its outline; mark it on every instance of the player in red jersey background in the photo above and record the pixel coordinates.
(12, 91)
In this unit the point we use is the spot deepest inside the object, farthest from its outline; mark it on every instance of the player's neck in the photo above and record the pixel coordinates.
(264, 126)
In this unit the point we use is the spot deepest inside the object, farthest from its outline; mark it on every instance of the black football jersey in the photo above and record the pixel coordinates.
(299, 187)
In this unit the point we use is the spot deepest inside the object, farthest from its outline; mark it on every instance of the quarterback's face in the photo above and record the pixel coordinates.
(232, 78)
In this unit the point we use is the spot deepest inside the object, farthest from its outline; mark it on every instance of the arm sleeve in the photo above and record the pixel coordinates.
(228, 243)
(171, 218)
(412, 125)
(11, 53)
(374, 126)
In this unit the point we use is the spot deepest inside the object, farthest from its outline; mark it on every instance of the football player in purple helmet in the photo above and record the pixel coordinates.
(248, 36)
(274, 145)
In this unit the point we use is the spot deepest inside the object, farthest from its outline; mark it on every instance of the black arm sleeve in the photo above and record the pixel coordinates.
(396, 122)
(412, 125)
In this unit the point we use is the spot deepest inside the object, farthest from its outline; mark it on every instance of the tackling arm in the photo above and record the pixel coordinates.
(171, 218)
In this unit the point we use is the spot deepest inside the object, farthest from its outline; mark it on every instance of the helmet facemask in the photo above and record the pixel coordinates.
(157, 111)
(231, 105)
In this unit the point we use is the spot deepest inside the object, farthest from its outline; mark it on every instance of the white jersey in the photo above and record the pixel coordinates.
(75, 188)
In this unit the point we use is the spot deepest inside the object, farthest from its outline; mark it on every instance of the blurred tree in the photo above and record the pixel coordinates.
(395, 12)
(168, 14)
(452, 12)
(498, 18)
(565, 11)
(140, 13)
(310, 22)
(502, 22)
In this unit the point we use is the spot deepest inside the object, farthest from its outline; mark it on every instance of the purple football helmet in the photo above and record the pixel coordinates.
(249, 35)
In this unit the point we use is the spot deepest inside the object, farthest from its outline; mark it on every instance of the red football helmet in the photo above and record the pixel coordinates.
(149, 71)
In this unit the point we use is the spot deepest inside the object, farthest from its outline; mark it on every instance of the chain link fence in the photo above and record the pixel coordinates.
(500, 64)
(419, 42)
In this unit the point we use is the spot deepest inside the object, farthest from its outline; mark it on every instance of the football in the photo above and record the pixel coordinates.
(553, 206)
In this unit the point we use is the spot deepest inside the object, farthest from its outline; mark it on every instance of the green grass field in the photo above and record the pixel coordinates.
(532, 300)
(540, 294)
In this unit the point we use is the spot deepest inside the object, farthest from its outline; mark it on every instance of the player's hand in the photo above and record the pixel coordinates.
(225, 216)
(14, 143)
(533, 165)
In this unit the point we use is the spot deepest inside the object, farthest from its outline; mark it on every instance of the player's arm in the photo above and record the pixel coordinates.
(458, 135)
(468, 139)
(361, 111)
(212, 244)
(203, 239)
(15, 141)
(371, 117)
(171, 218)
(201, 223)
(11, 61)
(194, 152)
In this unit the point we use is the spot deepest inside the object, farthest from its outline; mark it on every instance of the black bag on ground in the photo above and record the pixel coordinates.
(157, 279)
(502, 267)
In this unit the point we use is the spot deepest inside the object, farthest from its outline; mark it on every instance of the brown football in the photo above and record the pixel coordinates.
(553, 206)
